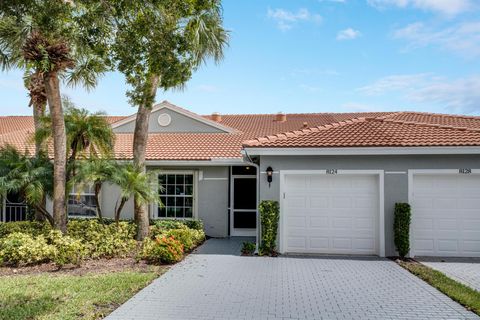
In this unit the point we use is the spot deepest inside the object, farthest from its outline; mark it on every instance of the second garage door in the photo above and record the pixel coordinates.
(326, 213)
(446, 215)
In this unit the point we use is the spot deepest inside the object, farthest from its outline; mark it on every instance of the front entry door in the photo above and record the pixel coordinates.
(243, 213)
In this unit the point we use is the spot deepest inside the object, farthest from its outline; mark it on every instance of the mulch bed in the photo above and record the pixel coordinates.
(99, 266)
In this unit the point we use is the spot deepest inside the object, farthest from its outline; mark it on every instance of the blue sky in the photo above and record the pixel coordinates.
(320, 56)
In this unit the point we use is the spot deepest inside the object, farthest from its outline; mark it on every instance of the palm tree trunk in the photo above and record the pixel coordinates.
(52, 89)
(38, 113)
(98, 187)
(140, 138)
(119, 210)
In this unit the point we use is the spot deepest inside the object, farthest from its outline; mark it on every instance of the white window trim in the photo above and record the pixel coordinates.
(411, 173)
(381, 195)
(154, 206)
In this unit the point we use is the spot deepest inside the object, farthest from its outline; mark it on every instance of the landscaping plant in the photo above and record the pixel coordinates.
(23, 249)
(162, 250)
(269, 216)
(401, 228)
(248, 248)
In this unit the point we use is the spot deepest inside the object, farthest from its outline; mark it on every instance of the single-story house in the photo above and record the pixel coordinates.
(337, 176)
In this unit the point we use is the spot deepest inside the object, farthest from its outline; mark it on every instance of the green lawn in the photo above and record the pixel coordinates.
(47, 296)
(455, 290)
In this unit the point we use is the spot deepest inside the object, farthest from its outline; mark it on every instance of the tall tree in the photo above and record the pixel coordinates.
(64, 36)
(159, 44)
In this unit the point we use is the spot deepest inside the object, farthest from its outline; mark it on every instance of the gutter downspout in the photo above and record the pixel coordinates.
(259, 229)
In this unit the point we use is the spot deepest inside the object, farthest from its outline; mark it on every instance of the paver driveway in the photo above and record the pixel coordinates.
(464, 270)
(216, 284)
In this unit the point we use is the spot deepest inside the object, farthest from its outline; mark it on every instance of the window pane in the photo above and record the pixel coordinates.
(180, 178)
(162, 190)
(162, 179)
(179, 212)
(170, 201)
(171, 179)
(170, 189)
(189, 179)
(188, 201)
(163, 200)
(188, 213)
(179, 190)
(189, 190)
(162, 212)
(170, 212)
(179, 201)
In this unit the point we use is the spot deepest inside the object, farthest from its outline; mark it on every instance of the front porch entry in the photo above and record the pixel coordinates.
(243, 201)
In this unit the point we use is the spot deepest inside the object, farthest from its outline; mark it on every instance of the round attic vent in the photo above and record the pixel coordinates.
(164, 119)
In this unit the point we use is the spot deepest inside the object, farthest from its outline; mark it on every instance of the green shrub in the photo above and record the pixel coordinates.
(32, 228)
(169, 224)
(162, 250)
(104, 241)
(190, 238)
(195, 224)
(23, 249)
(66, 249)
(401, 228)
(269, 215)
(248, 248)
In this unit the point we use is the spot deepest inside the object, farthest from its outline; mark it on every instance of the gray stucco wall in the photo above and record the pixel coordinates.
(179, 123)
(396, 185)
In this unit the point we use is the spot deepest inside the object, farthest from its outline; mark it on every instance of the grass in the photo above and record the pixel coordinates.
(47, 296)
(457, 291)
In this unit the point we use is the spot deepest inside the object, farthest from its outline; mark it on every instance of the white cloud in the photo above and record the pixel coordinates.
(286, 19)
(459, 95)
(446, 7)
(348, 34)
(462, 38)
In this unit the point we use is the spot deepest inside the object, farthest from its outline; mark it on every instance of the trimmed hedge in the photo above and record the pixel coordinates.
(269, 216)
(401, 228)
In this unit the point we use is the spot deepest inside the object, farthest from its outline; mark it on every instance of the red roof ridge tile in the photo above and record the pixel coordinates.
(436, 125)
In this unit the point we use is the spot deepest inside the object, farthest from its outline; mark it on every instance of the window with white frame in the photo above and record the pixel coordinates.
(177, 194)
(81, 202)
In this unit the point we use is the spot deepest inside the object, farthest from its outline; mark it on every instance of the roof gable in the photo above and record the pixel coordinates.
(168, 118)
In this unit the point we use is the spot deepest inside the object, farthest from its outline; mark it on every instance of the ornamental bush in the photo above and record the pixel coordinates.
(189, 238)
(32, 228)
(169, 224)
(401, 228)
(269, 216)
(23, 249)
(104, 241)
(248, 248)
(66, 249)
(162, 250)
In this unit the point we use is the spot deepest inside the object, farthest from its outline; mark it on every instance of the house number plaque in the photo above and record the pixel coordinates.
(464, 170)
(331, 171)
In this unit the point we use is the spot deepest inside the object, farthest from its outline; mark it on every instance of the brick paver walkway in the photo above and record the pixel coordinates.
(464, 270)
(216, 283)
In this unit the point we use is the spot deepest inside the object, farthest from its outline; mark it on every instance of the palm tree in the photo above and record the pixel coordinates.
(96, 171)
(31, 177)
(62, 36)
(159, 45)
(89, 135)
(134, 182)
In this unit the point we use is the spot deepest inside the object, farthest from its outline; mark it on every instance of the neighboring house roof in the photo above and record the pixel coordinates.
(400, 129)
(364, 129)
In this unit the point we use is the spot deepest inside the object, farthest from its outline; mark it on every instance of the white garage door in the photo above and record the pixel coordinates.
(331, 213)
(446, 215)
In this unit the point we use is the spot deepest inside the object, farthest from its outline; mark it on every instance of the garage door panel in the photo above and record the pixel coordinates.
(446, 215)
(340, 212)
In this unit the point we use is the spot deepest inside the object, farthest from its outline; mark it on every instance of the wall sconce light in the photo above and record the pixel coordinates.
(269, 175)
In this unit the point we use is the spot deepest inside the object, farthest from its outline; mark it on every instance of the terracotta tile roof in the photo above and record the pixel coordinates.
(383, 131)
(299, 130)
